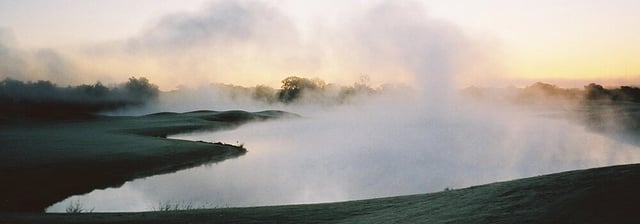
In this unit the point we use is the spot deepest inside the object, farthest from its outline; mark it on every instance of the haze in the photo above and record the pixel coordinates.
(384, 145)
(247, 43)
(415, 133)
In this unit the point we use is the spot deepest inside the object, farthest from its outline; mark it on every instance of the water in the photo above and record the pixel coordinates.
(356, 154)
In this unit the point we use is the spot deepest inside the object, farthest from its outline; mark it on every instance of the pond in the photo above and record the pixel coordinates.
(356, 154)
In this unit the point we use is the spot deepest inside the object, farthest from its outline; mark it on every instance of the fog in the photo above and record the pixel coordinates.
(419, 136)
(40, 64)
(383, 146)
(255, 42)
(44, 99)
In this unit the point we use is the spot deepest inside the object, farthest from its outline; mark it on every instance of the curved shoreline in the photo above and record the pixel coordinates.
(598, 195)
(44, 162)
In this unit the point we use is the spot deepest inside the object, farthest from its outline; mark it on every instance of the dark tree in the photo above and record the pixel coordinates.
(141, 89)
(594, 92)
(293, 87)
(45, 99)
(628, 93)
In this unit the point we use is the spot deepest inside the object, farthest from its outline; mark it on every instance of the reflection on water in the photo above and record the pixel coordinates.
(356, 155)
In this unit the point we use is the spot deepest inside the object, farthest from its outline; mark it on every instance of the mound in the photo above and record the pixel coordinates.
(42, 162)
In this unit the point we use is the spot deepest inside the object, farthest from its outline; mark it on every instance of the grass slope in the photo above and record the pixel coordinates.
(45, 161)
(602, 195)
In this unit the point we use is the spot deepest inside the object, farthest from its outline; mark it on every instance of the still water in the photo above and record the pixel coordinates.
(356, 155)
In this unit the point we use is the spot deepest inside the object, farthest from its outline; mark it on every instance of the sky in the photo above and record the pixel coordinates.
(512, 40)
(430, 44)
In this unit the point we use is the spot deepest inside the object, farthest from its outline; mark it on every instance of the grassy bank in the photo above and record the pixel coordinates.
(45, 161)
(602, 195)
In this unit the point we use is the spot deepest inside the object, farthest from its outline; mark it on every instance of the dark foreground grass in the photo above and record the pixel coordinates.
(602, 195)
(45, 161)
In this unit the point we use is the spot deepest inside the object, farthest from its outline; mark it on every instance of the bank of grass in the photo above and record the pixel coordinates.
(602, 195)
(45, 161)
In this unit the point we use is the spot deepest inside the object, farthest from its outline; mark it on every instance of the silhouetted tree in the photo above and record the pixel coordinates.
(627, 93)
(141, 89)
(293, 87)
(594, 91)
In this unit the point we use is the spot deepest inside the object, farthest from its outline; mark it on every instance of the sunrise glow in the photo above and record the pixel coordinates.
(496, 40)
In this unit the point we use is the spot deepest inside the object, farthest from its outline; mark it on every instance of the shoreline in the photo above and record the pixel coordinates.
(44, 162)
(596, 195)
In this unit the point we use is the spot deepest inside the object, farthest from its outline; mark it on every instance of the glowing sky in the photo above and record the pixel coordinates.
(559, 38)
(544, 39)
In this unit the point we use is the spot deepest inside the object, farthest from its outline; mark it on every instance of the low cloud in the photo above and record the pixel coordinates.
(253, 42)
(39, 64)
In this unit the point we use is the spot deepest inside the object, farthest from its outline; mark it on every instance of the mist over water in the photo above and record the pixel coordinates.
(384, 146)
(423, 138)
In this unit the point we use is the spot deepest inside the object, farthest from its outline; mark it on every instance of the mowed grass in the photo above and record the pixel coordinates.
(45, 161)
(602, 195)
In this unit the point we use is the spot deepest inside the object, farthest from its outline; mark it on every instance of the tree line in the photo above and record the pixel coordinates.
(591, 92)
(296, 89)
(43, 98)
(540, 92)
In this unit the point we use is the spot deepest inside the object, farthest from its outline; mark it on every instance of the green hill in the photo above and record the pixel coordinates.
(45, 161)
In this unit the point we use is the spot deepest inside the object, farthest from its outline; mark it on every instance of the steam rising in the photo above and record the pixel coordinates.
(420, 137)
(252, 42)
(384, 146)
